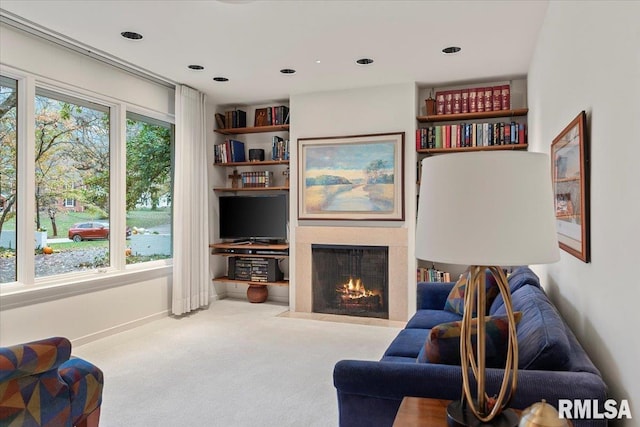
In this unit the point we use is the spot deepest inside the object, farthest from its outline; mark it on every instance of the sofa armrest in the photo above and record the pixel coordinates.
(32, 358)
(85, 382)
(381, 384)
(433, 295)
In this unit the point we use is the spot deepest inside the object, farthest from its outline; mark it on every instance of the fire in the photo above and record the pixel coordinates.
(354, 289)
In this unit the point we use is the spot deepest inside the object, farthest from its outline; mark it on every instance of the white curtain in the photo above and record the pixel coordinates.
(190, 204)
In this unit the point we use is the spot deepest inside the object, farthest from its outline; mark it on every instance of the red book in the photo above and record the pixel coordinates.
(488, 98)
(448, 102)
(464, 101)
(418, 138)
(447, 136)
(457, 102)
(440, 102)
(522, 133)
(480, 99)
(473, 106)
(506, 97)
(497, 98)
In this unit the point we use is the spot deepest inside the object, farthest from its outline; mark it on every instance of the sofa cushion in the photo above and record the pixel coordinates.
(455, 300)
(443, 343)
(427, 319)
(542, 339)
(520, 277)
(407, 343)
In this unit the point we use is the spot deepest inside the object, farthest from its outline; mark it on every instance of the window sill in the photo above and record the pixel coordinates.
(16, 295)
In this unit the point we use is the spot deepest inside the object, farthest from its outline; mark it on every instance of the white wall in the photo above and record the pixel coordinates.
(103, 305)
(588, 58)
(381, 109)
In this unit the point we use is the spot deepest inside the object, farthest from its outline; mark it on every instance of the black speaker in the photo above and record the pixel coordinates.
(256, 154)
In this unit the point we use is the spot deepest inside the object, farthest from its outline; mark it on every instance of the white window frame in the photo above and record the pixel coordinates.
(28, 289)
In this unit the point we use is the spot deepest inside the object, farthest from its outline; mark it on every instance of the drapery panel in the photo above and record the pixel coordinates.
(190, 289)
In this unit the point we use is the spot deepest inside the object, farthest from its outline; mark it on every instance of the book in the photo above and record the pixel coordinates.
(480, 100)
(261, 117)
(448, 102)
(236, 151)
(473, 106)
(505, 94)
(464, 101)
(488, 98)
(440, 102)
(497, 98)
(220, 120)
(457, 102)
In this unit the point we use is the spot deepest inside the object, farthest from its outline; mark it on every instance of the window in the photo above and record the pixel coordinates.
(8, 207)
(69, 203)
(149, 188)
(71, 146)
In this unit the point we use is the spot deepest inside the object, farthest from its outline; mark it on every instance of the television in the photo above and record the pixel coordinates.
(253, 218)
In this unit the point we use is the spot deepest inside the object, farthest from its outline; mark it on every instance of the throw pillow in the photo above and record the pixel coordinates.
(443, 343)
(455, 300)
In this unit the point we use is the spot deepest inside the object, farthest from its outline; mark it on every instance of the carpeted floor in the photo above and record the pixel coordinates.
(233, 364)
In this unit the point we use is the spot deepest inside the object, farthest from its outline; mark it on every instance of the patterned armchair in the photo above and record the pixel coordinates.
(40, 385)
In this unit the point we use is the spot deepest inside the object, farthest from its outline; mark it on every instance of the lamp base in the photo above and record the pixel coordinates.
(459, 415)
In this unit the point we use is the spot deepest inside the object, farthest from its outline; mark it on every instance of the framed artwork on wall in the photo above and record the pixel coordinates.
(570, 176)
(358, 177)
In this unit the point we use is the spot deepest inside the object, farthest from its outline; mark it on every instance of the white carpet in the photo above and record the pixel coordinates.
(234, 364)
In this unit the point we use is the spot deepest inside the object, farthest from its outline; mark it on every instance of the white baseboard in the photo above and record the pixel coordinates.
(119, 328)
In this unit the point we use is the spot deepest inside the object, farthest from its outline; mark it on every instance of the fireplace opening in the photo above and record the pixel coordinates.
(350, 280)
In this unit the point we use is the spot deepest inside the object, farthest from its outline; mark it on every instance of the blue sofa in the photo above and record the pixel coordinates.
(552, 364)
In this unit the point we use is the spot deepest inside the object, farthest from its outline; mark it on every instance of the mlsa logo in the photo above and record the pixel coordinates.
(588, 409)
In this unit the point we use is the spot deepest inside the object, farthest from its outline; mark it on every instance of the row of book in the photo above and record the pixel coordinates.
(473, 100)
(471, 135)
(231, 119)
(231, 150)
(252, 269)
(432, 275)
(273, 115)
(279, 148)
(257, 179)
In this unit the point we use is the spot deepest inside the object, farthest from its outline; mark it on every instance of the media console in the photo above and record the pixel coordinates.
(257, 275)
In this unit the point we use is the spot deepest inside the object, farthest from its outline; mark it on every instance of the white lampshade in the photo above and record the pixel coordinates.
(487, 208)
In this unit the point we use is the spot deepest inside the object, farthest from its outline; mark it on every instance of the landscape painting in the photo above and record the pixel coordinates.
(351, 178)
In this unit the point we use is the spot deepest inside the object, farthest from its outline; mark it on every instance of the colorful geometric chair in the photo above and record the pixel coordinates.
(40, 385)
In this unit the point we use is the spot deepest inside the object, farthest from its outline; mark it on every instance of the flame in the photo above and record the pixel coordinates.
(354, 289)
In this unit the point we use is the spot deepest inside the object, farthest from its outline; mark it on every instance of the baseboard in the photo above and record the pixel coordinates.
(120, 328)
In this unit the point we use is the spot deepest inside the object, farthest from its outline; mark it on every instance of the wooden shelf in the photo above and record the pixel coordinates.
(255, 129)
(247, 282)
(259, 246)
(463, 149)
(233, 190)
(473, 116)
(258, 163)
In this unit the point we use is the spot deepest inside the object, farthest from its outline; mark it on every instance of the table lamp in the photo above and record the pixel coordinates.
(485, 210)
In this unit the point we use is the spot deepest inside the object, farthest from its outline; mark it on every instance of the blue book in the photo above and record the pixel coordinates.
(237, 151)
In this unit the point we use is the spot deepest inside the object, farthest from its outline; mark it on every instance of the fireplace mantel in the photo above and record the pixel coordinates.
(394, 238)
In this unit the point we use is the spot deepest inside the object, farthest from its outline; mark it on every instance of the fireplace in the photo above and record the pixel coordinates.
(350, 280)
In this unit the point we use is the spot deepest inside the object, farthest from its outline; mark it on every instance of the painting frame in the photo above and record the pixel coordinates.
(352, 178)
(570, 177)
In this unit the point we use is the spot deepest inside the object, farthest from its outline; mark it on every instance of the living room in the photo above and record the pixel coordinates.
(583, 59)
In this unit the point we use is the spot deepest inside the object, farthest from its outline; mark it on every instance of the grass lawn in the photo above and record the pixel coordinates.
(143, 218)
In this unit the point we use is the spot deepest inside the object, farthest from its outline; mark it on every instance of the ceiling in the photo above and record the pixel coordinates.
(249, 42)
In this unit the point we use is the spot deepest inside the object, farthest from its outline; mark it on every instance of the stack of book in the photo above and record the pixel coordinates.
(432, 275)
(257, 179)
(231, 119)
(279, 148)
(229, 151)
(471, 135)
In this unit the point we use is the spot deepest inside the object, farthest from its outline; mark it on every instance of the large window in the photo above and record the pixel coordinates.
(149, 188)
(8, 207)
(71, 163)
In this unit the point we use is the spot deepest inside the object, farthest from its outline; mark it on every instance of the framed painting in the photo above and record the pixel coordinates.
(570, 176)
(358, 177)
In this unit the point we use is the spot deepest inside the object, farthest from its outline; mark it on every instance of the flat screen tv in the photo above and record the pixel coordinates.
(253, 218)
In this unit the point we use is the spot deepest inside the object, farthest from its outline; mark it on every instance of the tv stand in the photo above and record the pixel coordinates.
(257, 291)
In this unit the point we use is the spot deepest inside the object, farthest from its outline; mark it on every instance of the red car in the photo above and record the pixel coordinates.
(91, 230)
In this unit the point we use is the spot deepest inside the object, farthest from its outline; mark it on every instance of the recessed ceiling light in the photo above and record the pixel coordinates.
(196, 67)
(221, 79)
(317, 61)
(364, 61)
(287, 71)
(451, 50)
(131, 35)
